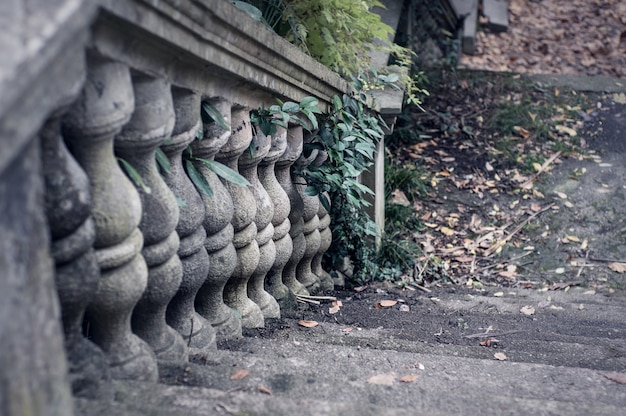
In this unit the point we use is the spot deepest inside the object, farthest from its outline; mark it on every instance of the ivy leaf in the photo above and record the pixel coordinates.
(310, 191)
(225, 172)
(325, 202)
(197, 179)
(134, 175)
(252, 11)
(291, 107)
(211, 113)
(200, 133)
(162, 161)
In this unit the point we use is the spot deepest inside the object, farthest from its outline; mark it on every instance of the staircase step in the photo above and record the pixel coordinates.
(302, 370)
(497, 11)
(468, 11)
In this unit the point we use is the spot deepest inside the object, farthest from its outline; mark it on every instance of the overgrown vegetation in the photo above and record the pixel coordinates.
(342, 35)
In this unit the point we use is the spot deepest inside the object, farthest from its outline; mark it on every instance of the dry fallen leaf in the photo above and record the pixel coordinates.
(510, 271)
(500, 356)
(566, 130)
(386, 379)
(498, 294)
(616, 377)
(409, 378)
(337, 303)
(240, 374)
(308, 324)
(447, 231)
(489, 342)
(386, 303)
(347, 330)
(264, 390)
(618, 267)
(333, 310)
(528, 310)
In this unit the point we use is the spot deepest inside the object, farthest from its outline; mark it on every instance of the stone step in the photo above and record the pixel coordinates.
(142, 399)
(303, 370)
(556, 363)
(497, 11)
(467, 10)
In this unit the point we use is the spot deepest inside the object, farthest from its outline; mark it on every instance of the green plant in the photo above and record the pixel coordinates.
(341, 34)
(209, 114)
(348, 135)
(408, 178)
(281, 114)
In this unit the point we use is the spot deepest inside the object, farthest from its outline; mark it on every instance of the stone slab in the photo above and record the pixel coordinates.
(309, 372)
(468, 11)
(497, 11)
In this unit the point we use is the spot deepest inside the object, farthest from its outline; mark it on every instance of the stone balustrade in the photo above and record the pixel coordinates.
(148, 267)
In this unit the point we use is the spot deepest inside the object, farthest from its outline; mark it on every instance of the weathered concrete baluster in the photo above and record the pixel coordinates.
(217, 223)
(248, 167)
(152, 123)
(68, 208)
(181, 315)
(326, 238)
(280, 220)
(310, 225)
(284, 177)
(105, 105)
(235, 291)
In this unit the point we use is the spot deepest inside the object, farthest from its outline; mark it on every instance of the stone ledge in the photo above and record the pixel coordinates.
(251, 60)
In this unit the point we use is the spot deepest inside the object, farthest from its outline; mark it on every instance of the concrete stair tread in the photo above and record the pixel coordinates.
(299, 369)
(598, 353)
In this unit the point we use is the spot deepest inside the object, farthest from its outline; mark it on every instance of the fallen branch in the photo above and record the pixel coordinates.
(582, 266)
(517, 229)
(492, 334)
(305, 300)
(542, 169)
(600, 260)
(331, 298)
(422, 288)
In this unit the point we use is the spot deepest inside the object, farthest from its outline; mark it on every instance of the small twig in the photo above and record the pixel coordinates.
(492, 334)
(190, 334)
(491, 266)
(425, 289)
(517, 229)
(583, 265)
(605, 260)
(541, 170)
(305, 300)
(318, 297)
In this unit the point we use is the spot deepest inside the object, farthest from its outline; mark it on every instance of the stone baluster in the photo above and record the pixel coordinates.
(236, 289)
(326, 238)
(248, 167)
(152, 123)
(284, 177)
(280, 221)
(310, 226)
(105, 105)
(217, 223)
(181, 314)
(68, 208)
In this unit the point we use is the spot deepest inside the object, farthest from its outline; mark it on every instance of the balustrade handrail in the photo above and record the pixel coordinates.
(192, 43)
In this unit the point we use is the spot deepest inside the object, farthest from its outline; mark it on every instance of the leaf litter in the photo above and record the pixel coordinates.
(481, 201)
